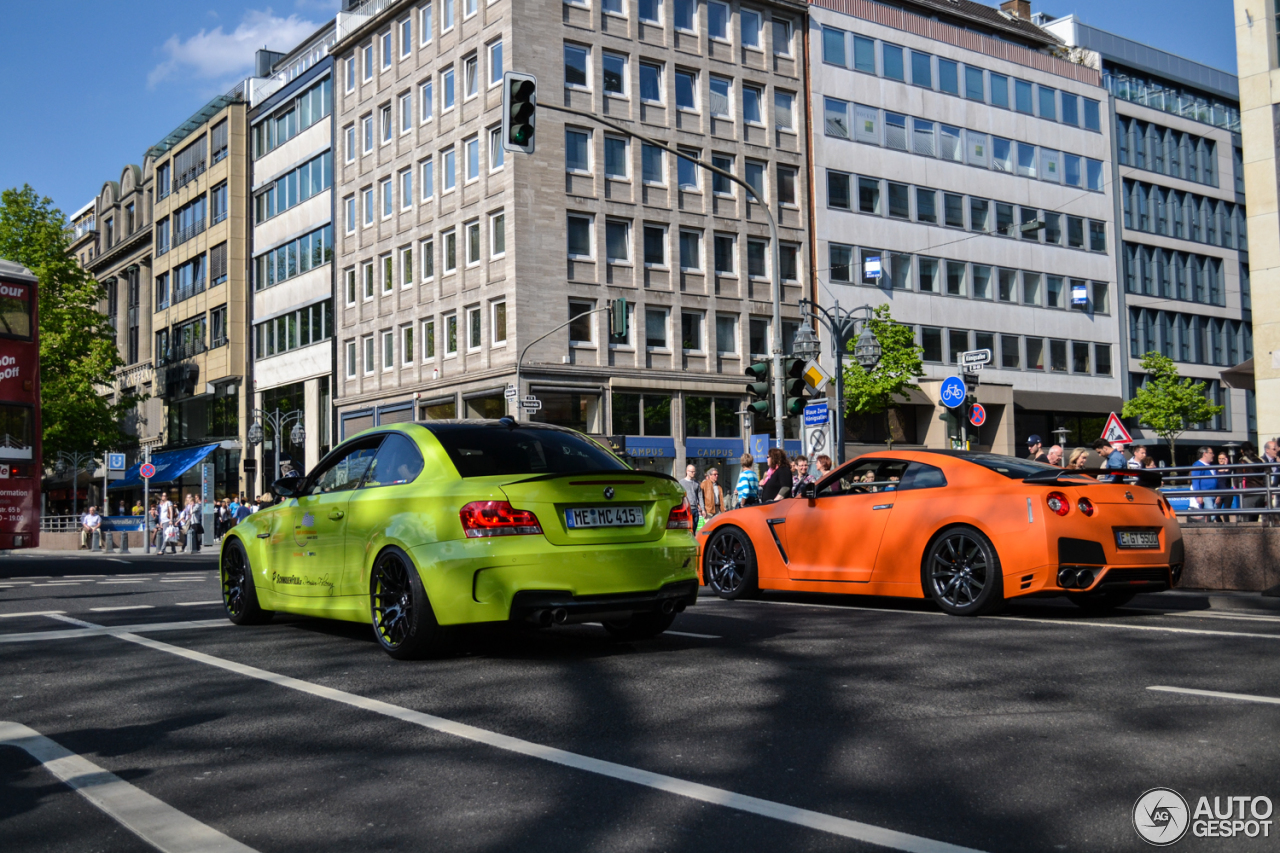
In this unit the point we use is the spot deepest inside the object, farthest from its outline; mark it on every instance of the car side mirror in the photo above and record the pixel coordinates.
(809, 491)
(287, 487)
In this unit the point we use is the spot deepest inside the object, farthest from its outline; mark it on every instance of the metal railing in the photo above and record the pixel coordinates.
(1252, 482)
(182, 235)
(59, 524)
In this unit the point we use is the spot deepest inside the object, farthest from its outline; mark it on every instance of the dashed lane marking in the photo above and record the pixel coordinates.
(196, 603)
(680, 787)
(695, 636)
(31, 613)
(123, 607)
(1243, 697)
(154, 821)
(117, 583)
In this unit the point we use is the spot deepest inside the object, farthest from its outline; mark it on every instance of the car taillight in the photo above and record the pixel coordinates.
(497, 518)
(1058, 503)
(1086, 506)
(1167, 508)
(680, 518)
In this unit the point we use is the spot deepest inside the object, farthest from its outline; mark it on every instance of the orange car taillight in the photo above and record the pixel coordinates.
(681, 518)
(497, 518)
(1086, 506)
(1058, 503)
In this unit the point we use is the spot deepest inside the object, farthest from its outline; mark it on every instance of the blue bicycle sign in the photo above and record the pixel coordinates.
(952, 392)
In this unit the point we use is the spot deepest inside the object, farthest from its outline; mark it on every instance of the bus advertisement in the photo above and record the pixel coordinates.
(20, 431)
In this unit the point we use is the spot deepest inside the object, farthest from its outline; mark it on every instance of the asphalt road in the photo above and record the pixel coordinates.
(792, 723)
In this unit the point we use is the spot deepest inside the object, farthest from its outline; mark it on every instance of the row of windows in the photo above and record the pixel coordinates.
(400, 349)
(689, 95)
(190, 219)
(687, 18)
(397, 267)
(695, 337)
(188, 338)
(901, 271)
(294, 187)
(968, 81)
(288, 121)
(579, 154)
(398, 40)
(1189, 338)
(1173, 275)
(1185, 216)
(1214, 391)
(1148, 146)
(619, 248)
(306, 326)
(189, 278)
(1017, 352)
(189, 163)
(936, 207)
(293, 258)
(1162, 96)
(933, 139)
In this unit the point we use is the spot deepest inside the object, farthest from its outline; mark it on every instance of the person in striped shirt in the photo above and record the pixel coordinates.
(748, 485)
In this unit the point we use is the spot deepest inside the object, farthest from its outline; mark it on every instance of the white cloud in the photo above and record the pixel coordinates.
(215, 54)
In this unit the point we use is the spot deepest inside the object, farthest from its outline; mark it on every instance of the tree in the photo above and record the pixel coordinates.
(1167, 404)
(873, 392)
(78, 355)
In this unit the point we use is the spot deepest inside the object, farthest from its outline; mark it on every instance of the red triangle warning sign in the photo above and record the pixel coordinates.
(1115, 433)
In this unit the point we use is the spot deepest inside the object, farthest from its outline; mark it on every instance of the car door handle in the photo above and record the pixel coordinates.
(882, 506)
(336, 514)
(264, 535)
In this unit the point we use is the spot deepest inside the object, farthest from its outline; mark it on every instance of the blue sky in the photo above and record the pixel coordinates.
(92, 85)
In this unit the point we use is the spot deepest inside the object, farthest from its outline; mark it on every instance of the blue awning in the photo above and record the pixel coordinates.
(170, 465)
(713, 448)
(647, 447)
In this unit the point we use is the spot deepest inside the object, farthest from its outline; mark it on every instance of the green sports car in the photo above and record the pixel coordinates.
(414, 528)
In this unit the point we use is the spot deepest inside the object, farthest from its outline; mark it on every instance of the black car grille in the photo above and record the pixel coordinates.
(1126, 577)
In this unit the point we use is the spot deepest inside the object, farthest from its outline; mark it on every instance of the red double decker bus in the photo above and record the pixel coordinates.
(20, 458)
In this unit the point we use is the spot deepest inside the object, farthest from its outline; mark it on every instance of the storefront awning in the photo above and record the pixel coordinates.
(170, 465)
(1240, 376)
(644, 447)
(713, 448)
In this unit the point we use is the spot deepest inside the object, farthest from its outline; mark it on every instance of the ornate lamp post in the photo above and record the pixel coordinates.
(277, 420)
(73, 461)
(842, 324)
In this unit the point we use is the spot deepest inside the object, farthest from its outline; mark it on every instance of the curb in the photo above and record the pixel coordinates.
(1210, 599)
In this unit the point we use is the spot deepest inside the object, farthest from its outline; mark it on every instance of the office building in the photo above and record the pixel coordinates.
(456, 257)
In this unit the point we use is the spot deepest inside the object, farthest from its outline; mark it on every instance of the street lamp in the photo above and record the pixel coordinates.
(73, 460)
(277, 420)
(842, 324)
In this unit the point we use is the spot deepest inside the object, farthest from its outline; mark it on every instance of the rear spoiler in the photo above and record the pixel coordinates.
(621, 473)
(1151, 479)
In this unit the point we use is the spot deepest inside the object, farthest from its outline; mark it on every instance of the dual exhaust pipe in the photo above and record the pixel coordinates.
(1072, 577)
(560, 615)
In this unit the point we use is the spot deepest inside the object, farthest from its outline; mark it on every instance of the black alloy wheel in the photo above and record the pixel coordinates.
(961, 573)
(239, 596)
(729, 564)
(403, 620)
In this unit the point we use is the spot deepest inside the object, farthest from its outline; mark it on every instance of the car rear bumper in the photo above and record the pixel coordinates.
(547, 607)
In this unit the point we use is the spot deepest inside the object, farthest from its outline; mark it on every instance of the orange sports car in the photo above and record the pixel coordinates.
(969, 530)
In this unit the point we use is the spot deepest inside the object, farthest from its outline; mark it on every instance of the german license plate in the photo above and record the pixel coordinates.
(1137, 539)
(604, 516)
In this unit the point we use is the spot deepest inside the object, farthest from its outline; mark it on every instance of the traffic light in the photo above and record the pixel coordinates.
(760, 389)
(793, 385)
(618, 319)
(519, 105)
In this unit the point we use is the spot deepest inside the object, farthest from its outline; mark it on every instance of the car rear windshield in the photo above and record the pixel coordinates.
(1009, 466)
(491, 451)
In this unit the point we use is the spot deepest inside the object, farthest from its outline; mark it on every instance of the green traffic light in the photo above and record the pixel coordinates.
(759, 407)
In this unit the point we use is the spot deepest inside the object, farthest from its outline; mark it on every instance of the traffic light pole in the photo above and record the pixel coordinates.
(520, 360)
(779, 392)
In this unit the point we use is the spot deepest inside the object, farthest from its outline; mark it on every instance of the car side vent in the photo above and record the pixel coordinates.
(1077, 551)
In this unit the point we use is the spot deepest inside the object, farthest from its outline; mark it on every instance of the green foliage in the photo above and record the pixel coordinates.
(1167, 404)
(78, 354)
(873, 392)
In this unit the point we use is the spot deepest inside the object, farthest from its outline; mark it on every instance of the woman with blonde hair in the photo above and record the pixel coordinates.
(1079, 457)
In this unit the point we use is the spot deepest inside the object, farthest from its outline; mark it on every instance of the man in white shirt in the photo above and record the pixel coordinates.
(165, 519)
(89, 522)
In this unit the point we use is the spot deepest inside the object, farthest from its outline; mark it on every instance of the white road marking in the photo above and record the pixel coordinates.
(82, 576)
(118, 560)
(830, 606)
(695, 636)
(658, 781)
(1067, 623)
(31, 577)
(183, 580)
(90, 630)
(123, 607)
(113, 583)
(31, 613)
(155, 822)
(1244, 697)
(1240, 617)
(57, 583)
(196, 603)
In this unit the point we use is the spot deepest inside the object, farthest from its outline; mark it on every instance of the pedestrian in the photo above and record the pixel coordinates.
(800, 476)
(1138, 460)
(711, 494)
(1112, 458)
(748, 485)
(823, 463)
(1079, 458)
(169, 537)
(243, 511)
(1054, 456)
(122, 510)
(89, 523)
(197, 524)
(776, 483)
(137, 507)
(1034, 453)
(1203, 481)
(692, 491)
(1226, 482)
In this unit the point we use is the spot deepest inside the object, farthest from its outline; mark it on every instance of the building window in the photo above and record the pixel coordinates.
(497, 235)
(577, 148)
(580, 325)
(686, 90)
(616, 157)
(691, 331)
(427, 107)
(474, 340)
(575, 66)
(406, 266)
(473, 242)
(451, 335)
(725, 250)
(449, 90)
(428, 180)
(499, 322)
(726, 334)
(428, 340)
(450, 251)
(691, 250)
(366, 274)
(351, 359)
(655, 328)
(427, 253)
(495, 63)
(614, 68)
(652, 169)
(406, 189)
(406, 345)
(496, 156)
(579, 236)
(450, 167)
(617, 241)
(655, 245)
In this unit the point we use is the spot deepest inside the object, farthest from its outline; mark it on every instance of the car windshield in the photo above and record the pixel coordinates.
(488, 450)
(1009, 466)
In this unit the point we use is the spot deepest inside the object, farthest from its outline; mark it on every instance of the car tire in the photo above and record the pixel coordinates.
(729, 564)
(403, 622)
(961, 573)
(1102, 602)
(641, 626)
(239, 595)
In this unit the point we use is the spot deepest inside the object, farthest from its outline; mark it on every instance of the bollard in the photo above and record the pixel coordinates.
(95, 541)
(124, 542)
(110, 542)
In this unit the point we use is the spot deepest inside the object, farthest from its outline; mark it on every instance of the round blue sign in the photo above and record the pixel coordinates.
(977, 414)
(952, 392)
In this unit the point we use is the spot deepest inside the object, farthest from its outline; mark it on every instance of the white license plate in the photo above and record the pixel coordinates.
(1137, 539)
(604, 516)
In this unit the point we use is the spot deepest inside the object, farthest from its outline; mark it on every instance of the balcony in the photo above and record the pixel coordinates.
(83, 228)
(182, 235)
(183, 292)
(184, 178)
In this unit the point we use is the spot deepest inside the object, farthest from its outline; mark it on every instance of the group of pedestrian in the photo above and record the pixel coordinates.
(784, 477)
(181, 530)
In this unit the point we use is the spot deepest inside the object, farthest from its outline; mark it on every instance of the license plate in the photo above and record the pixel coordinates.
(604, 516)
(1137, 539)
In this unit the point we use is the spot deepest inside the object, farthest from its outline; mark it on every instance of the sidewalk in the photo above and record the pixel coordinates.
(210, 551)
